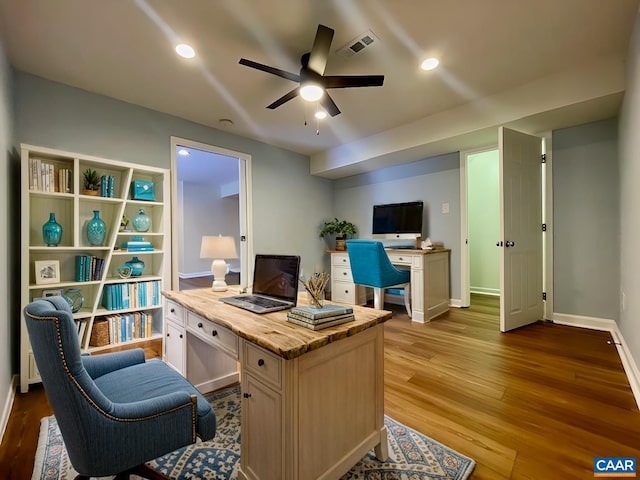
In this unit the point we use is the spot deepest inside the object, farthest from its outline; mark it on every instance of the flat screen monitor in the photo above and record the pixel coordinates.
(398, 220)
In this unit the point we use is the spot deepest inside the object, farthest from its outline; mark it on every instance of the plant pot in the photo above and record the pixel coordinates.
(341, 244)
(94, 193)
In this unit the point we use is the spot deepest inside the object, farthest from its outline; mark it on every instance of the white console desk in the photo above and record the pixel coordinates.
(312, 401)
(429, 280)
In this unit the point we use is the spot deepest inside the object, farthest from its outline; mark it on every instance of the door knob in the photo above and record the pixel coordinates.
(246, 395)
(509, 243)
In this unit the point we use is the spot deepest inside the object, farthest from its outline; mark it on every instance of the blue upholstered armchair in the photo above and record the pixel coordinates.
(115, 411)
(371, 267)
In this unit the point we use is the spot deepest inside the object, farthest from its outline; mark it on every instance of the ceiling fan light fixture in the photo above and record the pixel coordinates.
(320, 114)
(429, 63)
(185, 51)
(311, 92)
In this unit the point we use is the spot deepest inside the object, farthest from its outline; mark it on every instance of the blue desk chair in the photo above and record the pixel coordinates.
(371, 267)
(115, 411)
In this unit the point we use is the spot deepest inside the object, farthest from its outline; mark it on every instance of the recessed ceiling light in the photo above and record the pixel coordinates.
(429, 64)
(320, 114)
(185, 51)
(183, 152)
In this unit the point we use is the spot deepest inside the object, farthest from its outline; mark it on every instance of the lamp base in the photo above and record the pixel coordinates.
(219, 270)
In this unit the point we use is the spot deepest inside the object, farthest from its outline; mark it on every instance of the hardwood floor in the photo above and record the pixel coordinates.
(538, 403)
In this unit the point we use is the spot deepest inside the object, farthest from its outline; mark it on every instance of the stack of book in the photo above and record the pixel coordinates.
(138, 244)
(319, 318)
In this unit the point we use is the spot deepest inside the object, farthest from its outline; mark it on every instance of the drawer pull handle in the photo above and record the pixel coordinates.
(168, 335)
(173, 310)
(200, 325)
(344, 273)
(260, 362)
(180, 335)
(246, 395)
(214, 333)
(346, 291)
(400, 258)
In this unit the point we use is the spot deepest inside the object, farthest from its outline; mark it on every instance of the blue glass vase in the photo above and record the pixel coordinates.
(52, 231)
(136, 265)
(96, 230)
(74, 298)
(141, 222)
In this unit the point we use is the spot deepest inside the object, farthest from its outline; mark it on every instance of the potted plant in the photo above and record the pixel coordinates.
(91, 182)
(341, 228)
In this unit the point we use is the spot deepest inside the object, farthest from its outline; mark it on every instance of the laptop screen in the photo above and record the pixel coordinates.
(277, 276)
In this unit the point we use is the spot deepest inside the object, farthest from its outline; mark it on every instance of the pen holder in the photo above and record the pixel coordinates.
(317, 301)
(315, 288)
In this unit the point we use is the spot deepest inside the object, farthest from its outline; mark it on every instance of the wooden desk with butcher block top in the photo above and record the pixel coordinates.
(312, 401)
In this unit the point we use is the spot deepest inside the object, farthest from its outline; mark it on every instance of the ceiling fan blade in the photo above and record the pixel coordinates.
(348, 81)
(294, 77)
(285, 98)
(329, 105)
(320, 50)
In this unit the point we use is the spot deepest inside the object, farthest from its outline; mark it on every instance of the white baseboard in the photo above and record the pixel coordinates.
(455, 302)
(608, 325)
(195, 275)
(6, 412)
(485, 291)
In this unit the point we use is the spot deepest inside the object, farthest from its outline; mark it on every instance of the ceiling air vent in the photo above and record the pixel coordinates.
(358, 44)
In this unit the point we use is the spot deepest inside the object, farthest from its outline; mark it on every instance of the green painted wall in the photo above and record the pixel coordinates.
(484, 222)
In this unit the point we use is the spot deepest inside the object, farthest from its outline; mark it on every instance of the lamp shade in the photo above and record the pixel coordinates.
(218, 247)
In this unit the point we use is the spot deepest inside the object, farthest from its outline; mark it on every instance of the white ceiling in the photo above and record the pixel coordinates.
(124, 49)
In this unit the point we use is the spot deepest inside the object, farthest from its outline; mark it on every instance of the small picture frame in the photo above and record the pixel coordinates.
(47, 271)
(52, 293)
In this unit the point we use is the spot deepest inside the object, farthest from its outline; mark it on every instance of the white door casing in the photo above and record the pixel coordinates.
(245, 202)
(520, 229)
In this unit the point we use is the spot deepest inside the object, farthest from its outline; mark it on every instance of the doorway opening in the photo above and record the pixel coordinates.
(480, 217)
(210, 197)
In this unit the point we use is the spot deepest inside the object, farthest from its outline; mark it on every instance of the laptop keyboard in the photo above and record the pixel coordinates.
(263, 302)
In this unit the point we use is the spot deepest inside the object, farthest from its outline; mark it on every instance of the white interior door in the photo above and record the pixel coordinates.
(520, 229)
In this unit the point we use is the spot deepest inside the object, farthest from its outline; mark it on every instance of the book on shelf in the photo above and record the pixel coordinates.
(328, 310)
(106, 186)
(135, 248)
(129, 326)
(42, 176)
(119, 296)
(88, 268)
(329, 322)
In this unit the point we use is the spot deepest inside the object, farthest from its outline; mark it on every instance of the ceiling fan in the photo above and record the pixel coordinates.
(311, 79)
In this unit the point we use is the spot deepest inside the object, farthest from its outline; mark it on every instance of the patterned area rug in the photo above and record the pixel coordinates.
(412, 456)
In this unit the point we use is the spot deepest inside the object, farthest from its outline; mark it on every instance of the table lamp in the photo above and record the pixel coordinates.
(219, 248)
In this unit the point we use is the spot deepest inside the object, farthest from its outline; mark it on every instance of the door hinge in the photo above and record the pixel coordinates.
(544, 295)
(544, 158)
(544, 227)
(243, 238)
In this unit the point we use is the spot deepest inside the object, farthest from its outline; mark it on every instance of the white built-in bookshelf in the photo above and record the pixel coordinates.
(52, 182)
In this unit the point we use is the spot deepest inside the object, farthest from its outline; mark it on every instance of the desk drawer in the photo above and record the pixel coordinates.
(340, 259)
(264, 365)
(344, 292)
(400, 259)
(212, 333)
(342, 274)
(175, 313)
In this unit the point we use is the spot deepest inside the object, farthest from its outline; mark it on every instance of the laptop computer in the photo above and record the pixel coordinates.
(275, 285)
